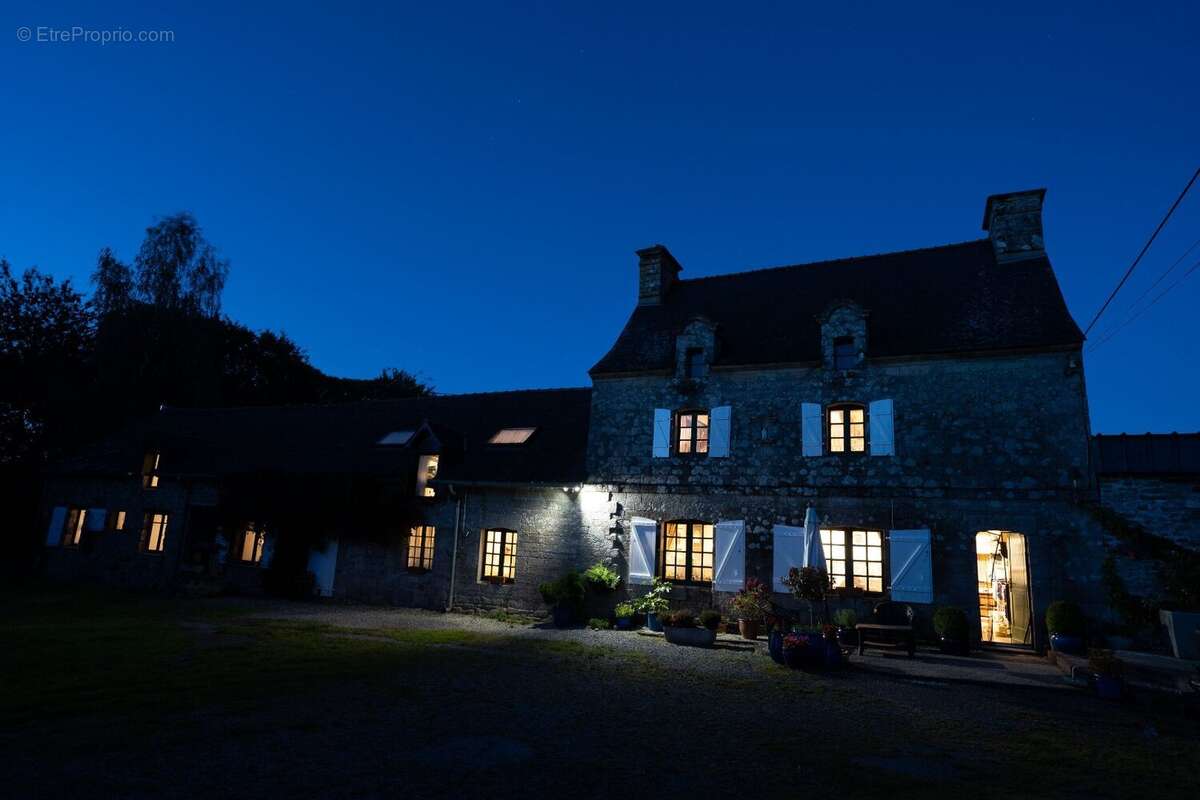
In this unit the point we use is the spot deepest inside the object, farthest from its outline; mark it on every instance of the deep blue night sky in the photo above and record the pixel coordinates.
(459, 191)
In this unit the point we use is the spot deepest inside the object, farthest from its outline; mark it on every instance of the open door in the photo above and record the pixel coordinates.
(1018, 583)
(1005, 607)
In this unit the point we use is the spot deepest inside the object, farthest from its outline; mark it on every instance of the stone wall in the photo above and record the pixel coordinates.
(1167, 506)
(116, 557)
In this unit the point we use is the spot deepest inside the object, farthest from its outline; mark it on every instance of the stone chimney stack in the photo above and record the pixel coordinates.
(1014, 224)
(657, 272)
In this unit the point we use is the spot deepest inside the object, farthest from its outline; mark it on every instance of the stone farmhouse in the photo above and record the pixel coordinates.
(930, 405)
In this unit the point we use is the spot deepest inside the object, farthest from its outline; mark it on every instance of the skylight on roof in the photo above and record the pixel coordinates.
(397, 437)
(512, 436)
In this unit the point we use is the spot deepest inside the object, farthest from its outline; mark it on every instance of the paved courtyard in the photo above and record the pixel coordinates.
(140, 697)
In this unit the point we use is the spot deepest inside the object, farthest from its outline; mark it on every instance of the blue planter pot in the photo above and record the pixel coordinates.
(562, 616)
(797, 658)
(624, 624)
(833, 655)
(775, 646)
(1062, 643)
(653, 622)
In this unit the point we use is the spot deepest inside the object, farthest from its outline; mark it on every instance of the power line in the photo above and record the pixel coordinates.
(1149, 242)
(1133, 306)
(1160, 296)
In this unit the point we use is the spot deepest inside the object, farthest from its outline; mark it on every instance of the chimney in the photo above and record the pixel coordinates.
(657, 272)
(1014, 224)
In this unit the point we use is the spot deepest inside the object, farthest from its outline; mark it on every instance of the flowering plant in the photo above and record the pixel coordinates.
(794, 641)
(752, 603)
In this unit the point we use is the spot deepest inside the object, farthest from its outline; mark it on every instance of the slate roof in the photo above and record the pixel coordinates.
(1147, 454)
(941, 300)
(342, 439)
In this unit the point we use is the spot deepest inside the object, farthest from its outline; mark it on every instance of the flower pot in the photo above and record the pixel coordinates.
(561, 615)
(624, 623)
(795, 657)
(653, 622)
(1063, 643)
(748, 628)
(847, 637)
(690, 637)
(833, 655)
(953, 646)
(775, 646)
(1108, 687)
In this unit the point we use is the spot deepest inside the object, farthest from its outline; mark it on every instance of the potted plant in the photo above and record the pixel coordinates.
(953, 632)
(1108, 673)
(710, 620)
(832, 650)
(1065, 622)
(808, 583)
(655, 603)
(775, 626)
(601, 578)
(846, 619)
(565, 598)
(624, 613)
(680, 628)
(751, 606)
(795, 647)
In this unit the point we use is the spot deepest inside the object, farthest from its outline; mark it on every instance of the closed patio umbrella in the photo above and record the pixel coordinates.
(814, 553)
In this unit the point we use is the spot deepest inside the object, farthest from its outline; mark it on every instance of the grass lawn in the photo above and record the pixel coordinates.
(105, 694)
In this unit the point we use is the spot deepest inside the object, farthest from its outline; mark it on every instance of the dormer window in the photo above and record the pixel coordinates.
(691, 433)
(427, 469)
(150, 470)
(847, 428)
(512, 436)
(845, 353)
(397, 438)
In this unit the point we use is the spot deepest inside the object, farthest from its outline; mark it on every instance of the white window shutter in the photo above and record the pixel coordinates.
(911, 566)
(662, 432)
(788, 546)
(643, 536)
(883, 438)
(95, 519)
(730, 545)
(268, 551)
(718, 431)
(813, 424)
(323, 564)
(58, 518)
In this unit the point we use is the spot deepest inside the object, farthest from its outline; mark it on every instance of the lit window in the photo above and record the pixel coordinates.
(845, 354)
(420, 548)
(397, 438)
(73, 527)
(847, 429)
(499, 556)
(253, 539)
(427, 468)
(512, 436)
(154, 533)
(150, 470)
(687, 552)
(691, 433)
(116, 521)
(858, 563)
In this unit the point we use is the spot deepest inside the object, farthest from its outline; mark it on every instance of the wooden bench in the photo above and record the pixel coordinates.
(891, 626)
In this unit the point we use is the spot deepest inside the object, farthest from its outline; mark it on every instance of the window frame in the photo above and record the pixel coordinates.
(847, 437)
(428, 541)
(849, 573)
(147, 522)
(73, 527)
(677, 429)
(855, 360)
(660, 557)
(260, 532)
(151, 464)
(507, 537)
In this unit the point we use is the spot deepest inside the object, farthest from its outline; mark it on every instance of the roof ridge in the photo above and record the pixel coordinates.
(831, 261)
(371, 401)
